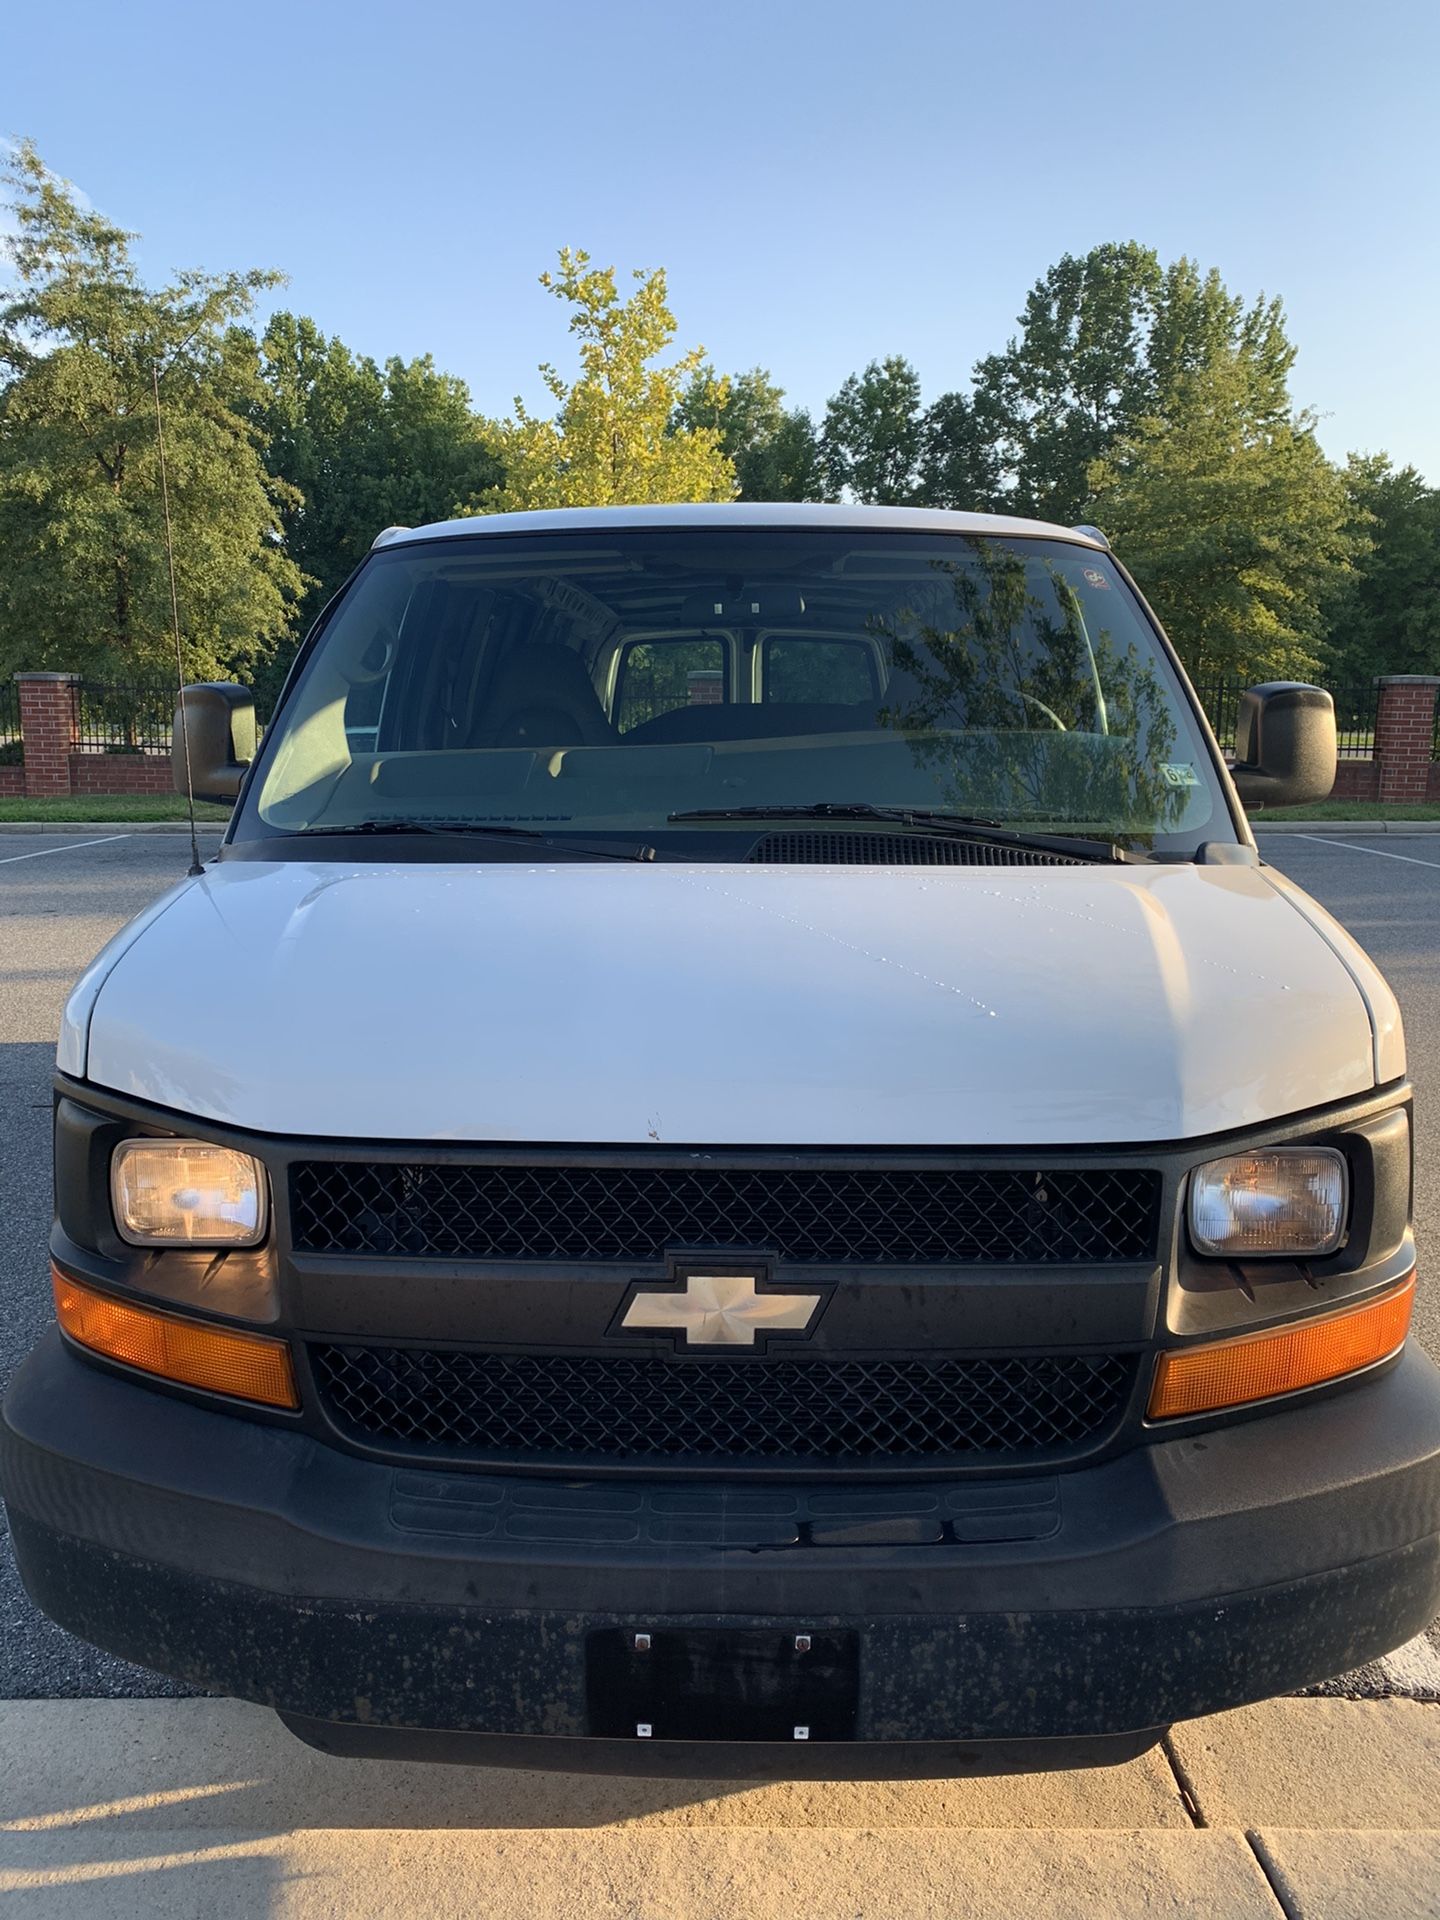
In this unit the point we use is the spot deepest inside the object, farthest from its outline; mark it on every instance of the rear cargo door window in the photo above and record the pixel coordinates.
(656, 677)
(799, 672)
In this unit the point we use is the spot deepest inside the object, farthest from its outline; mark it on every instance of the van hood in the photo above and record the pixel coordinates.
(722, 1005)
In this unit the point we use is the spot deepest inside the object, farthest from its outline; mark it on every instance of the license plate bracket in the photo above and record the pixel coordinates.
(722, 1683)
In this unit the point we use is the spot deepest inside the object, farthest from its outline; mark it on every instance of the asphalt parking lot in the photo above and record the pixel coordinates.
(62, 896)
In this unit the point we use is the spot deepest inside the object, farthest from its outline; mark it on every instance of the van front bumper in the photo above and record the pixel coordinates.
(448, 1615)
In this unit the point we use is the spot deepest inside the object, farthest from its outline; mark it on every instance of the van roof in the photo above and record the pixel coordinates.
(740, 514)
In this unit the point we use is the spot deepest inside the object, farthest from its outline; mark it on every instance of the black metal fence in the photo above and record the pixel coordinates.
(12, 751)
(136, 718)
(123, 719)
(1356, 706)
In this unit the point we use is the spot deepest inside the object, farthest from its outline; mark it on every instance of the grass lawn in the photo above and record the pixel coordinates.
(1350, 810)
(137, 806)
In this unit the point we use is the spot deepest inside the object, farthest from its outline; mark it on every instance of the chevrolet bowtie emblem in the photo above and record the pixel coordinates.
(721, 1310)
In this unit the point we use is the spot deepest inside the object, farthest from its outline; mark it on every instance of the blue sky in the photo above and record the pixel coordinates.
(826, 183)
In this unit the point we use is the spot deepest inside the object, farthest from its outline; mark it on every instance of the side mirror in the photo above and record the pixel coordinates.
(1284, 745)
(219, 719)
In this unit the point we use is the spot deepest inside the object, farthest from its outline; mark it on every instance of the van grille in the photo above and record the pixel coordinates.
(818, 1215)
(817, 1409)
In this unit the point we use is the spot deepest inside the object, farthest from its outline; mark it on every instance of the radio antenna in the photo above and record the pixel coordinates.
(195, 866)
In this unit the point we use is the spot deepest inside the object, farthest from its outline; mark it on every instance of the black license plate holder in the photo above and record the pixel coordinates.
(722, 1683)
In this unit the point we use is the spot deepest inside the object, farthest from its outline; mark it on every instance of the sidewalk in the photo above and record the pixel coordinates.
(1311, 1809)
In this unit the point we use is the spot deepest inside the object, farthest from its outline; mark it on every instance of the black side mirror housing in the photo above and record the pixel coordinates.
(1284, 744)
(219, 718)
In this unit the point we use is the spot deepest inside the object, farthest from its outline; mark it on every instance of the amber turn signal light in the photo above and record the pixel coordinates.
(188, 1351)
(1257, 1366)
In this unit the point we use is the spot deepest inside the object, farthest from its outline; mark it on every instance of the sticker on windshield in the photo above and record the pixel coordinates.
(1181, 774)
(1095, 577)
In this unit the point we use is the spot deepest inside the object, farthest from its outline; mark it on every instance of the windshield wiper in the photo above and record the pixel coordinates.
(956, 826)
(475, 829)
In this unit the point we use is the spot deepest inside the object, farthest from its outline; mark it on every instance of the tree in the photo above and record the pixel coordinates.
(1104, 337)
(1064, 390)
(743, 410)
(83, 581)
(789, 465)
(1196, 318)
(1235, 524)
(612, 440)
(776, 452)
(959, 457)
(880, 444)
(873, 434)
(362, 447)
(1385, 617)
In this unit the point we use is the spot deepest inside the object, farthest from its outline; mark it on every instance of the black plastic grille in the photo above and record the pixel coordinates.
(808, 847)
(820, 1215)
(797, 1410)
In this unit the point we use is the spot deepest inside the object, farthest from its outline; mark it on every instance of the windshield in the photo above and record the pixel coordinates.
(599, 684)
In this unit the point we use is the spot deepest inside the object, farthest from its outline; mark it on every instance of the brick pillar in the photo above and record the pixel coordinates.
(47, 727)
(1404, 734)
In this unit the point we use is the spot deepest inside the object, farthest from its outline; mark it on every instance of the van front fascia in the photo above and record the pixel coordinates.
(1125, 1302)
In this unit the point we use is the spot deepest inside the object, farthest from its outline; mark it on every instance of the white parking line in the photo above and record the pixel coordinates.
(70, 846)
(1321, 840)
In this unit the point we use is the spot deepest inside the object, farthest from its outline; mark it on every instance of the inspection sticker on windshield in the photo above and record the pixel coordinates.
(1181, 775)
(1096, 578)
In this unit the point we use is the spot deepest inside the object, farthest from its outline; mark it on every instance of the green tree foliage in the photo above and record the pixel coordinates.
(1065, 388)
(1103, 339)
(789, 465)
(881, 444)
(1235, 524)
(775, 450)
(362, 447)
(1143, 395)
(83, 581)
(874, 434)
(959, 455)
(1385, 617)
(743, 410)
(612, 440)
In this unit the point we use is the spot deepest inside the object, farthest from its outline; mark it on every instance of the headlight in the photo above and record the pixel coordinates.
(186, 1193)
(1290, 1200)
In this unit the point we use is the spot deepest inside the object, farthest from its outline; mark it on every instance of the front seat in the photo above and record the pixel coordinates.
(543, 697)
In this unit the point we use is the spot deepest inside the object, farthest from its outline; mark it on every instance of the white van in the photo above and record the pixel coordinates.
(738, 1167)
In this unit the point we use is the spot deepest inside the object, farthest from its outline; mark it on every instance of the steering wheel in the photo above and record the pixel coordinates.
(1049, 712)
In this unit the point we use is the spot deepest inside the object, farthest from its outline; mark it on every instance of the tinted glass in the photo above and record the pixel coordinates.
(598, 683)
(799, 670)
(659, 676)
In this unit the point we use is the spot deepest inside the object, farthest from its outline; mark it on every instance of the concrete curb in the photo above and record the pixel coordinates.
(215, 1764)
(1261, 825)
(152, 1809)
(60, 828)
(100, 1869)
